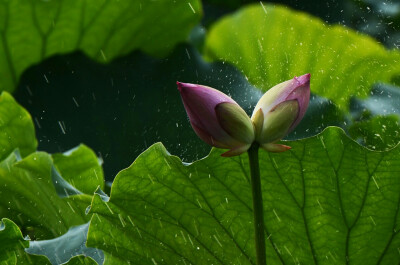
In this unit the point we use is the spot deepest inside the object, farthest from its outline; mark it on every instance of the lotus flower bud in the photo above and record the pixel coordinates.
(217, 119)
(279, 110)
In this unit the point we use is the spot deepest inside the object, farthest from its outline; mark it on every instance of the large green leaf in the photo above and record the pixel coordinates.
(13, 244)
(16, 128)
(327, 201)
(32, 30)
(271, 44)
(81, 168)
(33, 194)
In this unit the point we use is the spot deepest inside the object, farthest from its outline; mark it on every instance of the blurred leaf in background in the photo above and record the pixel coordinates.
(272, 44)
(377, 133)
(31, 30)
(33, 193)
(380, 19)
(277, 43)
(384, 99)
(375, 120)
(330, 11)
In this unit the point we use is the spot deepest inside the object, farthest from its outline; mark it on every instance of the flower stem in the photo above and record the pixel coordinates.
(257, 204)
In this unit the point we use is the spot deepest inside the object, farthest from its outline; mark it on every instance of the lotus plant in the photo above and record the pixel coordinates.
(217, 119)
(220, 122)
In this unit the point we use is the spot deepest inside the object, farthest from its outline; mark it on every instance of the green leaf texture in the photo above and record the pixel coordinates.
(81, 168)
(13, 247)
(377, 133)
(326, 201)
(32, 30)
(16, 128)
(13, 244)
(82, 260)
(29, 196)
(271, 44)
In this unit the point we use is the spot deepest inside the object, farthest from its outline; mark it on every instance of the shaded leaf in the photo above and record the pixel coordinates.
(271, 44)
(81, 168)
(327, 201)
(68, 247)
(29, 197)
(33, 30)
(132, 102)
(33, 192)
(16, 128)
(13, 244)
(384, 99)
(377, 133)
(81, 260)
(321, 113)
(376, 119)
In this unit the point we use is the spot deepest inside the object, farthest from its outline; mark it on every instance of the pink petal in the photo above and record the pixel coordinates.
(200, 102)
(302, 94)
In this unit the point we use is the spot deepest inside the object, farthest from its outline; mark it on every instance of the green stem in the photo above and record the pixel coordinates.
(258, 210)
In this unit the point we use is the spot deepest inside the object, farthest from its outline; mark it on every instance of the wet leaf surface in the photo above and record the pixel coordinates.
(70, 247)
(16, 128)
(327, 201)
(13, 244)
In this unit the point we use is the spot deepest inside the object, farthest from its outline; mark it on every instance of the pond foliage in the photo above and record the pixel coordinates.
(333, 198)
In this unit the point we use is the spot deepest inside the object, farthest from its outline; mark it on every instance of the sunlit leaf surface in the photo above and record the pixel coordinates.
(33, 30)
(327, 201)
(271, 44)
